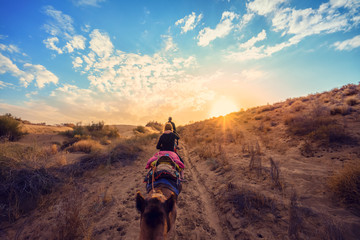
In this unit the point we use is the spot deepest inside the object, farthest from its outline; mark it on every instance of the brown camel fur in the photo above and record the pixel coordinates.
(158, 213)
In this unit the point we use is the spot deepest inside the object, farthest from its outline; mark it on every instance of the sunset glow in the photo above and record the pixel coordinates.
(222, 107)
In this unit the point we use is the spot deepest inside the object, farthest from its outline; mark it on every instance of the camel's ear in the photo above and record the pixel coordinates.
(170, 203)
(140, 202)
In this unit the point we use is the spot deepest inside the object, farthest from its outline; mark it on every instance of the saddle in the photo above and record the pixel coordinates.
(166, 173)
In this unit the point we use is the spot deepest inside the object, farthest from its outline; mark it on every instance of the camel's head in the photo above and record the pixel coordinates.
(157, 213)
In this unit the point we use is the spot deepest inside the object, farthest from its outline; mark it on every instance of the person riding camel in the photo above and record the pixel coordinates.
(167, 140)
(173, 124)
(174, 130)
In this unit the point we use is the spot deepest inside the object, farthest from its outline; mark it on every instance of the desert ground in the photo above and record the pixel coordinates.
(269, 172)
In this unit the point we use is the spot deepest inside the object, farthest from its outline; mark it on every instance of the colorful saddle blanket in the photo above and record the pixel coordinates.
(174, 186)
(173, 156)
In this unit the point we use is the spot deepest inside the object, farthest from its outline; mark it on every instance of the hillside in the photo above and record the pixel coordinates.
(284, 171)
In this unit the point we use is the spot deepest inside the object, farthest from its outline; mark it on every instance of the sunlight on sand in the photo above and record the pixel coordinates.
(222, 107)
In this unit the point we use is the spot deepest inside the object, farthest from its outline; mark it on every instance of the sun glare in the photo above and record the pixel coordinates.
(222, 107)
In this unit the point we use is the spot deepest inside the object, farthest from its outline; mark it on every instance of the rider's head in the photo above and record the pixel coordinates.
(168, 126)
(170, 118)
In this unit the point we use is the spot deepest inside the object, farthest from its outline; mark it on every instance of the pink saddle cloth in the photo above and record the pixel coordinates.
(170, 154)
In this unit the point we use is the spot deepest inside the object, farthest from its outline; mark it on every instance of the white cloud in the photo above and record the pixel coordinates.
(7, 66)
(261, 36)
(100, 43)
(345, 3)
(221, 30)
(189, 22)
(77, 62)
(9, 48)
(93, 3)
(264, 7)
(5, 84)
(51, 42)
(348, 44)
(41, 74)
(62, 24)
(77, 42)
(169, 43)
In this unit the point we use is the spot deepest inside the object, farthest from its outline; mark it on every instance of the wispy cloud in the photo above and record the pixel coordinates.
(264, 7)
(296, 24)
(261, 36)
(189, 22)
(7, 66)
(348, 44)
(51, 42)
(60, 27)
(9, 48)
(41, 74)
(5, 84)
(29, 73)
(221, 30)
(60, 24)
(93, 3)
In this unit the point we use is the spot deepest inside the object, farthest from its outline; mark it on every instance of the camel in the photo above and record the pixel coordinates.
(158, 213)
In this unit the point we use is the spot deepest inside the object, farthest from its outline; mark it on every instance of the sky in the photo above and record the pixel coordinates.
(131, 62)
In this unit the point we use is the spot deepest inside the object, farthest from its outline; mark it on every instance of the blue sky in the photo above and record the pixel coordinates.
(130, 62)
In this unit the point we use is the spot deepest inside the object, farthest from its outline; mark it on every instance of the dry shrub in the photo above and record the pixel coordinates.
(307, 149)
(297, 106)
(124, 152)
(275, 174)
(351, 101)
(345, 184)
(86, 146)
(317, 125)
(71, 220)
(295, 221)
(340, 109)
(248, 203)
(21, 188)
(53, 149)
(140, 130)
(155, 125)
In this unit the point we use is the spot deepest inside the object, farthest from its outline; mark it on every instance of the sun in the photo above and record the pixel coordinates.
(222, 107)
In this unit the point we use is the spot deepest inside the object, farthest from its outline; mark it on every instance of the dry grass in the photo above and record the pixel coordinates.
(248, 203)
(86, 146)
(345, 184)
(72, 221)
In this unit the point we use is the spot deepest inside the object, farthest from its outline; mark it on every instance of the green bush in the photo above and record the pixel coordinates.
(10, 128)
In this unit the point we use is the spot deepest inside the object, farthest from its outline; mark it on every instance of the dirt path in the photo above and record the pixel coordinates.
(197, 216)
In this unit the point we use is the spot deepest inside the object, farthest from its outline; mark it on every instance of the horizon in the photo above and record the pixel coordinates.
(131, 63)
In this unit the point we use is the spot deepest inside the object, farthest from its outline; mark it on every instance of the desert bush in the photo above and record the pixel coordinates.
(124, 152)
(94, 130)
(72, 222)
(351, 101)
(275, 174)
(295, 220)
(86, 146)
(317, 125)
(248, 203)
(21, 187)
(10, 128)
(341, 109)
(155, 125)
(345, 184)
(140, 130)
(350, 89)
